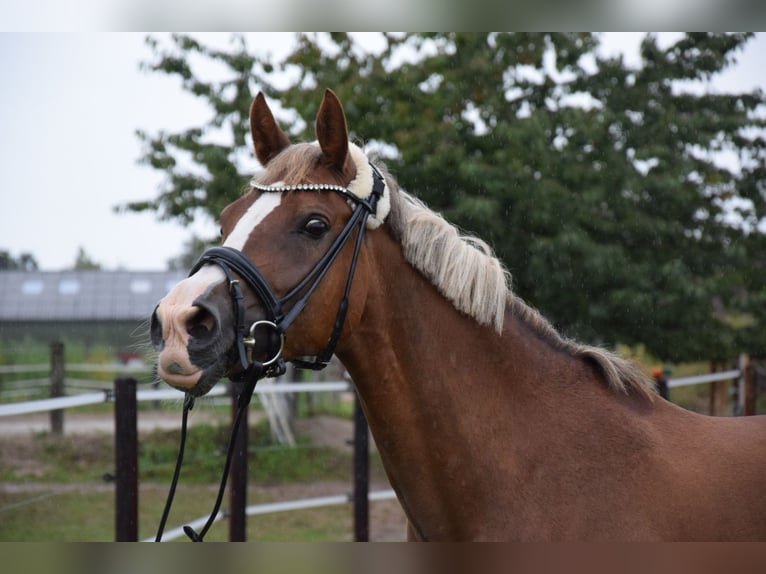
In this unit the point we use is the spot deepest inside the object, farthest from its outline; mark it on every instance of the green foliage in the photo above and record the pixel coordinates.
(83, 262)
(73, 503)
(87, 514)
(598, 184)
(269, 462)
(193, 248)
(24, 351)
(33, 351)
(69, 459)
(24, 262)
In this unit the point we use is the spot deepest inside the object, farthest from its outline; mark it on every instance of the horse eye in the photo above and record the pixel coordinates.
(315, 227)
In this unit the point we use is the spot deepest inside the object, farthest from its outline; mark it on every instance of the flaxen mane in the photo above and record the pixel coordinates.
(463, 268)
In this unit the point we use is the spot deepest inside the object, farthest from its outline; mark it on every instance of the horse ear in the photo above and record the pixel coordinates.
(268, 137)
(331, 130)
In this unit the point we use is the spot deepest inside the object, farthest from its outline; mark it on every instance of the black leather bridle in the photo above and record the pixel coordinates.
(281, 313)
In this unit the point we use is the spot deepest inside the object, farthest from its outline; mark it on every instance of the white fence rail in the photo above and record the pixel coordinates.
(43, 405)
(284, 506)
(92, 398)
(58, 403)
(121, 368)
(701, 379)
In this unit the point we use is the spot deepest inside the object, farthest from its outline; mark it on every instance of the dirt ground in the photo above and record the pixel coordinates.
(84, 423)
(387, 521)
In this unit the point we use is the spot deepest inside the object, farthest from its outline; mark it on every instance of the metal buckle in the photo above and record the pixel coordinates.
(250, 342)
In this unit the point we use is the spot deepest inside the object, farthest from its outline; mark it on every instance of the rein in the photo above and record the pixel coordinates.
(232, 261)
(242, 403)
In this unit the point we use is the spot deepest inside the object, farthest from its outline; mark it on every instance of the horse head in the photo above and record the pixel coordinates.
(282, 279)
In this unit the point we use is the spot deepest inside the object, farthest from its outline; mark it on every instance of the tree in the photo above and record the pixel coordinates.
(83, 262)
(598, 184)
(193, 248)
(24, 262)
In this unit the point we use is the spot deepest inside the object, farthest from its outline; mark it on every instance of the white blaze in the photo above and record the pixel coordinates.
(192, 287)
(256, 213)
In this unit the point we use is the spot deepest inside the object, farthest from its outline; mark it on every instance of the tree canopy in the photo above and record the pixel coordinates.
(24, 262)
(83, 261)
(601, 186)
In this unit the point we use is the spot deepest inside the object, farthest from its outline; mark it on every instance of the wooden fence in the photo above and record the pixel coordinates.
(126, 395)
(126, 457)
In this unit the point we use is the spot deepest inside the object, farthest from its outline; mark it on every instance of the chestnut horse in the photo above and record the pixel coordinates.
(490, 424)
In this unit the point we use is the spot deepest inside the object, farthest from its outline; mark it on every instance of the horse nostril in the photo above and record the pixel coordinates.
(155, 331)
(202, 324)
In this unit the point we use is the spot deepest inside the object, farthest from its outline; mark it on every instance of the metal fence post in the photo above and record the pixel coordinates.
(361, 474)
(126, 459)
(57, 385)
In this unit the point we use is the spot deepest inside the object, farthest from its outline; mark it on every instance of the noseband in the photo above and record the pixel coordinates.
(281, 314)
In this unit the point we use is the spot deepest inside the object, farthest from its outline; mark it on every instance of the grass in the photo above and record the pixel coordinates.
(58, 492)
(273, 463)
(87, 514)
(48, 516)
(82, 458)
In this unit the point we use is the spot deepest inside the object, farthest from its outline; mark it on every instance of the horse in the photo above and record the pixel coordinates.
(490, 424)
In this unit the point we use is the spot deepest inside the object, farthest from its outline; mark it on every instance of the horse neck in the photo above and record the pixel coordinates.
(439, 390)
(413, 337)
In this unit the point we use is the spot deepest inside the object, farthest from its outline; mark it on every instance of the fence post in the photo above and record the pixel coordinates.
(719, 392)
(126, 459)
(739, 385)
(361, 474)
(238, 473)
(57, 385)
(749, 393)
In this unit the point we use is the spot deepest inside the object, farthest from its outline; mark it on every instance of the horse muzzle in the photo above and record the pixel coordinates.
(192, 340)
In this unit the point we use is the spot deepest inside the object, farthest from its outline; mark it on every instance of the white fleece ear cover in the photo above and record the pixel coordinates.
(361, 186)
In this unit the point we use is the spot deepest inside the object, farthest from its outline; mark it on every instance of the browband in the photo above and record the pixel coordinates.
(367, 182)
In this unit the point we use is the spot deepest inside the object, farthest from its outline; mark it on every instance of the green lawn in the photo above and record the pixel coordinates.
(87, 514)
(55, 490)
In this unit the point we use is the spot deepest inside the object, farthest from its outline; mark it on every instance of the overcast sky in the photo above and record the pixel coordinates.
(70, 106)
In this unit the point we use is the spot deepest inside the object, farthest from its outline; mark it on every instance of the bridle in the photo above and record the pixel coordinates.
(281, 313)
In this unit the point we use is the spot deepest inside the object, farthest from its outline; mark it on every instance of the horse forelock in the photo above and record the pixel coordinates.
(295, 164)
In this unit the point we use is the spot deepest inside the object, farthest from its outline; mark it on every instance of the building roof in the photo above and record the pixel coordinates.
(82, 295)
